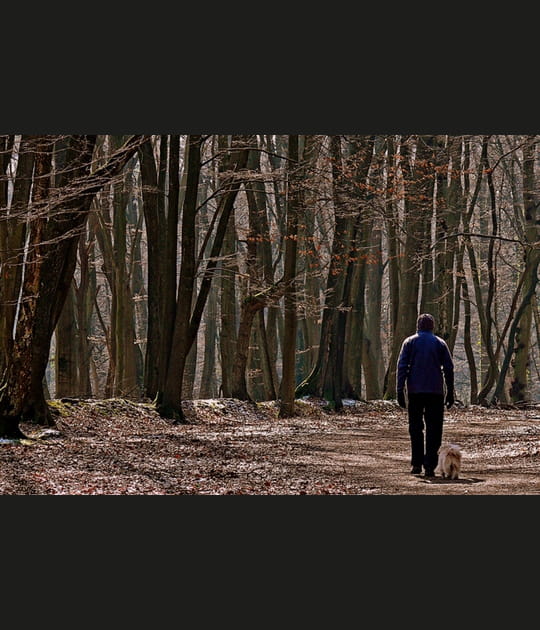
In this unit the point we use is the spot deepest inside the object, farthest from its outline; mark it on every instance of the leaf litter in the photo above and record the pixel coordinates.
(228, 446)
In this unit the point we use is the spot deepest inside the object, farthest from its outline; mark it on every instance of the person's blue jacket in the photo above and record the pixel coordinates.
(425, 365)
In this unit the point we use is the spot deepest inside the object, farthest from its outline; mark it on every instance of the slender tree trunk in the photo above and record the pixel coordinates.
(251, 305)
(473, 261)
(135, 220)
(155, 231)
(372, 346)
(467, 343)
(326, 378)
(393, 242)
(418, 200)
(208, 379)
(361, 258)
(493, 371)
(84, 299)
(126, 363)
(532, 282)
(277, 152)
(309, 259)
(169, 401)
(261, 273)
(67, 360)
(268, 366)
(520, 391)
(288, 381)
(187, 320)
(228, 320)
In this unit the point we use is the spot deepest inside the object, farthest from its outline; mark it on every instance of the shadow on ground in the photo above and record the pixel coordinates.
(462, 481)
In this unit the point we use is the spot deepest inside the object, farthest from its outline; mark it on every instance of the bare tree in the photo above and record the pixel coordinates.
(52, 220)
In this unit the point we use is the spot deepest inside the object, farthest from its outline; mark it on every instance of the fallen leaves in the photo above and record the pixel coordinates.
(235, 447)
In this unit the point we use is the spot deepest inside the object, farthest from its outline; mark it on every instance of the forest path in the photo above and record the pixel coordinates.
(232, 447)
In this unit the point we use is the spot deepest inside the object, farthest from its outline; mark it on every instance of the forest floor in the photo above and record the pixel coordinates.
(117, 447)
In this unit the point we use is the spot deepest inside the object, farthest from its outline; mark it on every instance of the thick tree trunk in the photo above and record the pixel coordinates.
(49, 268)
(169, 256)
(13, 229)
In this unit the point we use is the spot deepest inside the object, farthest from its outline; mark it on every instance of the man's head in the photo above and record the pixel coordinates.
(425, 322)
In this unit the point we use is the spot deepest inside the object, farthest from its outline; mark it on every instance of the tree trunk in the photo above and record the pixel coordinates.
(49, 268)
(250, 307)
(13, 231)
(155, 234)
(228, 337)
(467, 343)
(288, 380)
(326, 378)
(533, 260)
(125, 380)
(208, 379)
(520, 391)
(169, 256)
(393, 242)
(372, 346)
(492, 371)
(67, 361)
(362, 258)
(187, 321)
(417, 200)
(169, 400)
(84, 298)
(261, 274)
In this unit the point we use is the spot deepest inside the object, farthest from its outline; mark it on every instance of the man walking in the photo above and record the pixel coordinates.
(426, 369)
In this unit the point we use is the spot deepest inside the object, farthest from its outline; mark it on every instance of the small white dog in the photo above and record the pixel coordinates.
(449, 464)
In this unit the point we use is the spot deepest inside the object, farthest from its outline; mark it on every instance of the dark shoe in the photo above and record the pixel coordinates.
(416, 470)
(429, 473)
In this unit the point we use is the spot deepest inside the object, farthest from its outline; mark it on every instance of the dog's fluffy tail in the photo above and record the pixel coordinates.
(453, 471)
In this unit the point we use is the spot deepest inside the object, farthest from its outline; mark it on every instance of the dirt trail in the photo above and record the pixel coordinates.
(231, 447)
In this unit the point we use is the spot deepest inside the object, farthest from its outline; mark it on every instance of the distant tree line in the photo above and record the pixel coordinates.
(262, 267)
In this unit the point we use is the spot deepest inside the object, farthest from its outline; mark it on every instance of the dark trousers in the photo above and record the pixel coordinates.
(425, 411)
